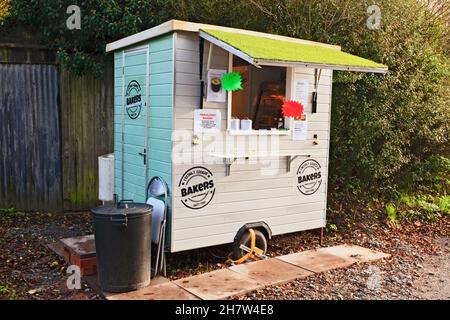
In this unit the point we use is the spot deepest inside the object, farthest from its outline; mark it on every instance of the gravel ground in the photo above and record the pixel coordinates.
(434, 280)
(28, 268)
(418, 269)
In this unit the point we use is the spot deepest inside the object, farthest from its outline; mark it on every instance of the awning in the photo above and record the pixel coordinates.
(264, 51)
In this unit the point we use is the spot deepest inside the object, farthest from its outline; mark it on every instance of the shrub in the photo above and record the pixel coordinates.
(389, 133)
(387, 130)
(391, 212)
(102, 21)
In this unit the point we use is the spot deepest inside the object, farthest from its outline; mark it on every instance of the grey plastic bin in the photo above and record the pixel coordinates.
(123, 246)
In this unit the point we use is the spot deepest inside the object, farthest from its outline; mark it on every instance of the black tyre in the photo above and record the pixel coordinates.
(261, 243)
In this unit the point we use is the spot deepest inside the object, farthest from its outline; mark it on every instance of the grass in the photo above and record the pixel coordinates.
(391, 212)
(332, 227)
(261, 48)
(9, 213)
(423, 207)
(444, 204)
(8, 293)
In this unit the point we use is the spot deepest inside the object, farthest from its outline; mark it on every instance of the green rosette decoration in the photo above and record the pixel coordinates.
(232, 81)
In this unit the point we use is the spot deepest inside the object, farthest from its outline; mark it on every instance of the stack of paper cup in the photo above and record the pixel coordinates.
(246, 124)
(235, 124)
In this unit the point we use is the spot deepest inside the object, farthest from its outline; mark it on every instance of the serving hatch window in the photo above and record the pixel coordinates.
(258, 106)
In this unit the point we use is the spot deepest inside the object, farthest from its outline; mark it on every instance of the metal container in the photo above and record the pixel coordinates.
(106, 174)
(123, 246)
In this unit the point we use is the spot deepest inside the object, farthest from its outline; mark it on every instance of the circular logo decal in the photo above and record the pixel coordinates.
(133, 99)
(309, 176)
(197, 188)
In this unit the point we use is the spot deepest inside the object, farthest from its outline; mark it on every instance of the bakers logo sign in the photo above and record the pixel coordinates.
(133, 99)
(197, 188)
(309, 176)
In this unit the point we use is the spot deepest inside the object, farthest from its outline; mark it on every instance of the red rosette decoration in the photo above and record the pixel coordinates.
(292, 109)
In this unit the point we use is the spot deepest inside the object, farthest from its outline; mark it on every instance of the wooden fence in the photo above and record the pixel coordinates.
(87, 119)
(62, 124)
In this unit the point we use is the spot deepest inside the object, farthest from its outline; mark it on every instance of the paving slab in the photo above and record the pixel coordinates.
(83, 247)
(316, 261)
(57, 247)
(222, 284)
(159, 289)
(163, 291)
(218, 285)
(271, 271)
(356, 253)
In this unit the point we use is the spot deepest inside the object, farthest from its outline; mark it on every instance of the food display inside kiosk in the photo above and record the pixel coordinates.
(258, 105)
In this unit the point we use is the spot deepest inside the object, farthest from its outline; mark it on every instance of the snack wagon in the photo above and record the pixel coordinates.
(206, 109)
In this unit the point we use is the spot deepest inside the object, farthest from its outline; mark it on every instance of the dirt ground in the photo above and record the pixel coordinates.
(434, 281)
(418, 269)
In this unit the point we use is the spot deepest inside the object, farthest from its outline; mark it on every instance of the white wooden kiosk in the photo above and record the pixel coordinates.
(173, 120)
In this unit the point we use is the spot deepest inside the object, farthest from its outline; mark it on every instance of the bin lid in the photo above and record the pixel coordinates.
(123, 209)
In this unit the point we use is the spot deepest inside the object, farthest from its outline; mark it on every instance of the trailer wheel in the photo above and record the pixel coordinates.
(261, 243)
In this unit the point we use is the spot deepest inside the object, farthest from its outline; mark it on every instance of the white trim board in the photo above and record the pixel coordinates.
(274, 63)
(178, 25)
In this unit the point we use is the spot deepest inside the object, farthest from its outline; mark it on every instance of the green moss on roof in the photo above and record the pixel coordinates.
(261, 48)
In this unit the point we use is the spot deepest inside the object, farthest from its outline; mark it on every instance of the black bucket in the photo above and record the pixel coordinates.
(123, 246)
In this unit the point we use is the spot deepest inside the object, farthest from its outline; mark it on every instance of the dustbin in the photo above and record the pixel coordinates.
(123, 246)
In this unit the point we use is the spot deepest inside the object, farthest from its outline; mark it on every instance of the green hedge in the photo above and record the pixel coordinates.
(390, 133)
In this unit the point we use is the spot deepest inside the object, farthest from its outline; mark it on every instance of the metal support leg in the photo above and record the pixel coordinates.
(228, 169)
(290, 159)
(288, 163)
(229, 162)
(321, 237)
(158, 253)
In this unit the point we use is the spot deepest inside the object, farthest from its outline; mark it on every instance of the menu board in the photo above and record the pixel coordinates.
(300, 129)
(301, 93)
(215, 92)
(207, 121)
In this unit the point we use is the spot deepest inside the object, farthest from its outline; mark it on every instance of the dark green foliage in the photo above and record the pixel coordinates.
(102, 21)
(8, 212)
(390, 133)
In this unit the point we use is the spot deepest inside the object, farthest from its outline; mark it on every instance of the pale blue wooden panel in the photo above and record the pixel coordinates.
(160, 123)
(159, 155)
(135, 129)
(135, 59)
(117, 117)
(160, 119)
(163, 134)
(161, 166)
(135, 140)
(129, 157)
(161, 112)
(161, 56)
(161, 89)
(162, 145)
(161, 43)
(161, 78)
(161, 67)
(135, 170)
(161, 101)
(129, 128)
(138, 70)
